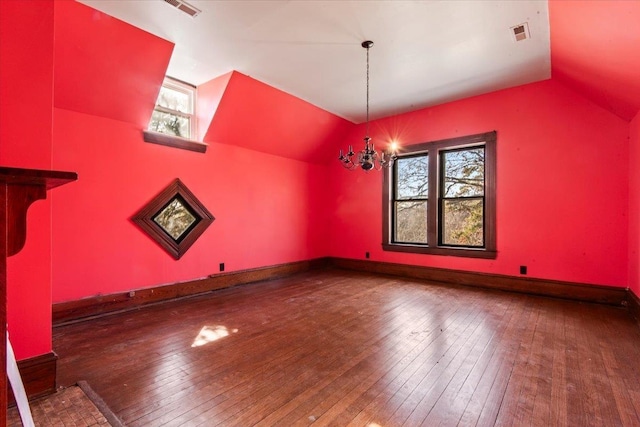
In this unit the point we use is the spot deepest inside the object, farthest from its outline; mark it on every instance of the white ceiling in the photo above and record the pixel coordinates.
(425, 52)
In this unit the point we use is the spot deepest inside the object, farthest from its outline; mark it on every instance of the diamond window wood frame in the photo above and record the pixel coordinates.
(157, 220)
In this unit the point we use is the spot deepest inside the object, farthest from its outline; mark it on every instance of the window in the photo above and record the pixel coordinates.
(174, 112)
(439, 198)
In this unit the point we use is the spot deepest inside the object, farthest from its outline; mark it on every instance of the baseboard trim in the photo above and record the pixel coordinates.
(107, 304)
(38, 376)
(550, 288)
(634, 305)
(70, 311)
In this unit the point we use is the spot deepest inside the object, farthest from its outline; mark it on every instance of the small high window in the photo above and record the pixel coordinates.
(174, 113)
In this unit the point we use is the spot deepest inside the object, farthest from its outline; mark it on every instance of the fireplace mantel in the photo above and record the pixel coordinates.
(19, 188)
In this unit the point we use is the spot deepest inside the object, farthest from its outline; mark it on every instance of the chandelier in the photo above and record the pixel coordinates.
(368, 158)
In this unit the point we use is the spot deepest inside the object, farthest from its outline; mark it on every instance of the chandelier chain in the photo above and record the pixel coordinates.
(367, 130)
(368, 158)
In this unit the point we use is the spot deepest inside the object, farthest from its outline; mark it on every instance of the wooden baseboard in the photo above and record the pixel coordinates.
(106, 304)
(103, 304)
(38, 376)
(550, 288)
(634, 305)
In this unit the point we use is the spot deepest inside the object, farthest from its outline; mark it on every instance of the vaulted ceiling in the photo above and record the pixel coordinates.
(424, 53)
(287, 73)
(595, 49)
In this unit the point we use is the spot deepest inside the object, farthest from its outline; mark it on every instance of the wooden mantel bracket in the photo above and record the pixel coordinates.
(19, 188)
(22, 197)
(25, 186)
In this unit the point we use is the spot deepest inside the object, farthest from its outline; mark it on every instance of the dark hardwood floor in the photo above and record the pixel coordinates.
(340, 348)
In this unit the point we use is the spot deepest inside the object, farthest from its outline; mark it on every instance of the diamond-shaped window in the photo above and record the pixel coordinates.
(175, 219)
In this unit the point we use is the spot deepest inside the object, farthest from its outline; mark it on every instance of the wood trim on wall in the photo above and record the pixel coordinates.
(104, 304)
(38, 376)
(634, 305)
(550, 288)
(174, 141)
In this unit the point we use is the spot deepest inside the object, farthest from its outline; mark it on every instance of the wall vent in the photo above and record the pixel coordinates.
(519, 32)
(184, 7)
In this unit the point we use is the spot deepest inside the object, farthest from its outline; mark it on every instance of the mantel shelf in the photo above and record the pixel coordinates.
(36, 177)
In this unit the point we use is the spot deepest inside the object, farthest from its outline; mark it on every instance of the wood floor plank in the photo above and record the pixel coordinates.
(511, 352)
(364, 410)
(338, 348)
(361, 380)
(357, 351)
(482, 386)
(558, 403)
(458, 392)
(440, 351)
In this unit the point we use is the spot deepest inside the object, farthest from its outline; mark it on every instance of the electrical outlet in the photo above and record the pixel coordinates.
(132, 294)
(523, 269)
(222, 266)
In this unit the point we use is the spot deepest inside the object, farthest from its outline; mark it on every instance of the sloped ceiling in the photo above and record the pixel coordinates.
(262, 118)
(108, 68)
(595, 49)
(425, 53)
(105, 67)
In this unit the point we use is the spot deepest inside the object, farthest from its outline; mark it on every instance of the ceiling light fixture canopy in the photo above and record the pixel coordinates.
(368, 158)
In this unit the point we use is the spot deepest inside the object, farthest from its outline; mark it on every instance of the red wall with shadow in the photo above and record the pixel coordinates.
(268, 210)
(634, 205)
(26, 103)
(562, 185)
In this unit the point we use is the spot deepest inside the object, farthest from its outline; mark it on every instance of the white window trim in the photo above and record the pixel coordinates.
(177, 85)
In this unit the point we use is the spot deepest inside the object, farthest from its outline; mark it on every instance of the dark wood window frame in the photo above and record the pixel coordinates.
(433, 149)
(176, 247)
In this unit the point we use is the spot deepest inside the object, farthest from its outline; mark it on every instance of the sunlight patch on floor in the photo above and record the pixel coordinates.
(210, 334)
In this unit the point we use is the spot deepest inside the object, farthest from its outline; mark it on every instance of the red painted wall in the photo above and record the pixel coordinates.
(268, 209)
(26, 103)
(562, 184)
(634, 205)
(208, 99)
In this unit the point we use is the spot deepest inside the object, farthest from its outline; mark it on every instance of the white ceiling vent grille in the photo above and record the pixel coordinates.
(184, 7)
(519, 32)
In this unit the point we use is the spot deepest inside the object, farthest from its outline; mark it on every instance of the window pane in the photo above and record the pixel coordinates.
(411, 222)
(463, 222)
(463, 173)
(169, 124)
(175, 100)
(412, 179)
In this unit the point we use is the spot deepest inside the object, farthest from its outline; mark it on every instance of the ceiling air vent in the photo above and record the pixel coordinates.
(520, 32)
(184, 7)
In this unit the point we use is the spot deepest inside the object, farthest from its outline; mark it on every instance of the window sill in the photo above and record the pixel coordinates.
(459, 252)
(174, 141)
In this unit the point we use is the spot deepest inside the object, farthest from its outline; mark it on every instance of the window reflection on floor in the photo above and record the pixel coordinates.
(210, 334)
